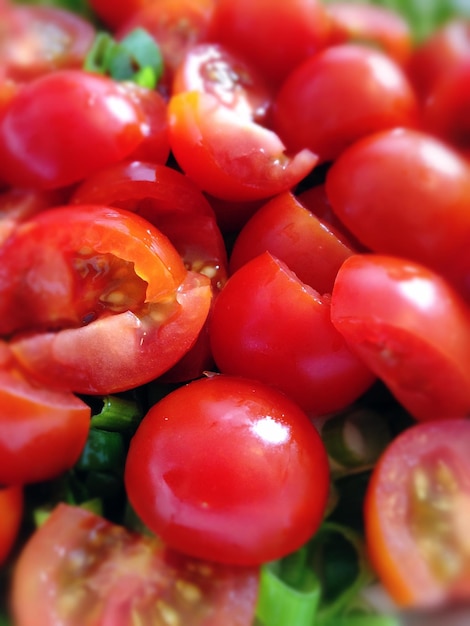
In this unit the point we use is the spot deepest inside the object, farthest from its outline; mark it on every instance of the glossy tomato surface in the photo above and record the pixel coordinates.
(416, 514)
(79, 569)
(11, 505)
(411, 328)
(228, 469)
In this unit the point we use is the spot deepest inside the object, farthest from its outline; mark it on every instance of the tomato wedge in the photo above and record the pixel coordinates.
(79, 569)
(11, 505)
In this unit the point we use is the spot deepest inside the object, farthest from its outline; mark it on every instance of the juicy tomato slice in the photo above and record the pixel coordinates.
(106, 301)
(378, 26)
(11, 505)
(357, 90)
(242, 477)
(36, 40)
(42, 431)
(79, 569)
(212, 68)
(171, 202)
(268, 325)
(227, 156)
(65, 125)
(416, 508)
(396, 315)
(288, 230)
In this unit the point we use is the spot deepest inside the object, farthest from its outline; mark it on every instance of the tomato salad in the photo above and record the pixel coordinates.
(234, 313)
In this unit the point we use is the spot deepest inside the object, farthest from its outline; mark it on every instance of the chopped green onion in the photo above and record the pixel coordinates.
(117, 415)
(135, 58)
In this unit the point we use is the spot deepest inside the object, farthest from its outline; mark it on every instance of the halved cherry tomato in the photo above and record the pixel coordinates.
(79, 569)
(383, 188)
(416, 513)
(96, 300)
(342, 93)
(288, 230)
(212, 68)
(268, 325)
(411, 328)
(230, 470)
(228, 156)
(11, 507)
(42, 431)
(37, 39)
(65, 125)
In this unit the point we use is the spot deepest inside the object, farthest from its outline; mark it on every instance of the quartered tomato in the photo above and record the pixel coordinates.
(226, 155)
(96, 300)
(11, 506)
(42, 431)
(416, 513)
(411, 328)
(79, 569)
(228, 469)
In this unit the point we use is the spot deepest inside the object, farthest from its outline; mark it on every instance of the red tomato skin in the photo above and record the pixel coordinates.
(384, 189)
(268, 325)
(42, 432)
(396, 315)
(214, 484)
(11, 505)
(341, 94)
(94, 121)
(227, 156)
(288, 230)
(393, 547)
(109, 575)
(275, 35)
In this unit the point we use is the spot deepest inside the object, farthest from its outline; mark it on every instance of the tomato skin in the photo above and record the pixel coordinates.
(227, 156)
(11, 505)
(396, 315)
(290, 32)
(409, 467)
(384, 189)
(42, 432)
(288, 230)
(268, 325)
(84, 110)
(240, 477)
(357, 90)
(79, 569)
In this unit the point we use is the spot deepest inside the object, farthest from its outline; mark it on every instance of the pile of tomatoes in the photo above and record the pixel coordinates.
(269, 226)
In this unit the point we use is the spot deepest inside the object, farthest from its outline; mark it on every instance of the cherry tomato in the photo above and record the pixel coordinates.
(268, 325)
(228, 469)
(42, 431)
(375, 25)
(275, 35)
(40, 39)
(411, 328)
(214, 69)
(79, 569)
(384, 188)
(227, 156)
(288, 230)
(416, 514)
(65, 125)
(356, 90)
(11, 506)
(97, 300)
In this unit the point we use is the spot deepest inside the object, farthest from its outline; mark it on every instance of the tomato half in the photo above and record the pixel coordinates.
(227, 156)
(42, 431)
(11, 506)
(268, 325)
(416, 514)
(65, 125)
(96, 300)
(230, 470)
(411, 328)
(79, 569)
